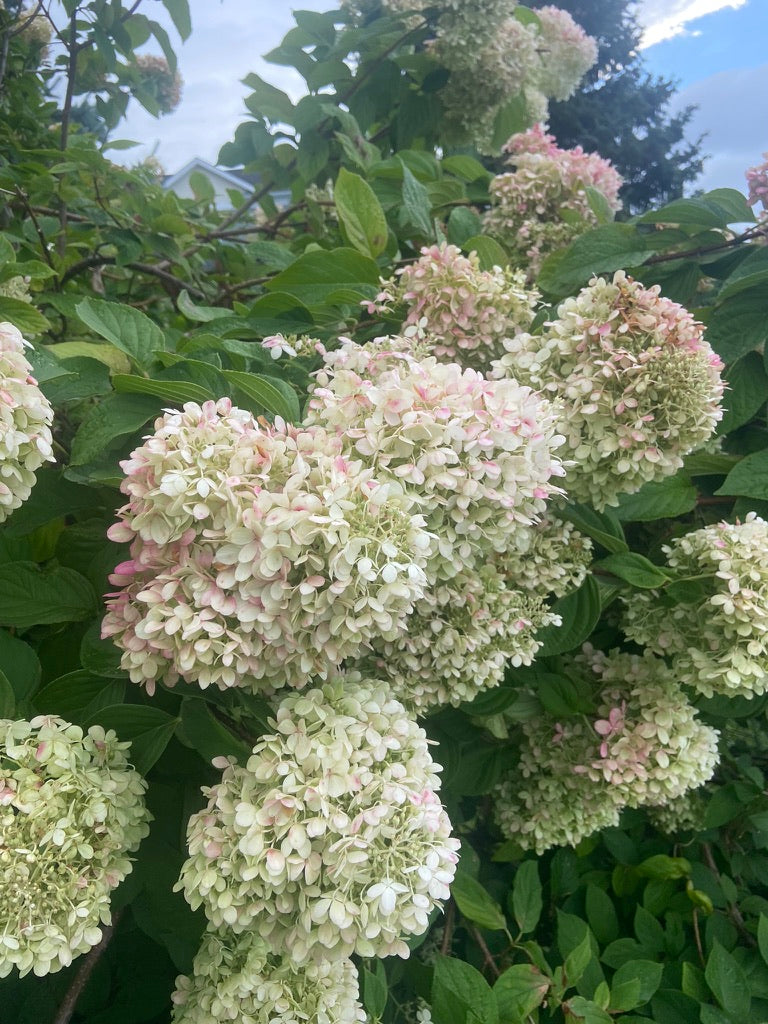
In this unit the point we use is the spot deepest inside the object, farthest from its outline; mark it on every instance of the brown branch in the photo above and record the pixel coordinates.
(733, 911)
(41, 237)
(487, 955)
(703, 250)
(450, 918)
(697, 935)
(144, 268)
(81, 979)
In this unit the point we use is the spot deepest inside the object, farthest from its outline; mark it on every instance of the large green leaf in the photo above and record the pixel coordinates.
(526, 896)
(658, 499)
(126, 328)
(728, 982)
(270, 394)
(114, 417)
(476, 904)
(177, 392)
(519, 990)
(316, 276)
(461, 995)
(30, 596)
(749, 477)
(360, 213)
(580, 612)
(607, 248)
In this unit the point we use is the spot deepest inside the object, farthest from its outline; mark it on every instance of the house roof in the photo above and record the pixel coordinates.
(231, 178)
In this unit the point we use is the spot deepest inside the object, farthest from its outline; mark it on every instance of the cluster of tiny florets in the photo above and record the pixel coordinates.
(236, 977)
(259, 556)
(292, 345)
(25, 423)
(71, 810)
(642, 746)
(544, 203)
(717, 639)
(552, 557)
(478, 454)
(332, 839)
(566, 53)
(463, 311)
(459, 639)
(160, 81)
(683, 814)
(757, 182)
(638, 387)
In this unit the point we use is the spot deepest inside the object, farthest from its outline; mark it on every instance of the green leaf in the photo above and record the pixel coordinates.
(749, 477)
(601, 915)
(526, 896)
(475, 904)
(179, 12)
(416, 209)
(577, 960)
(465, 167)
(512, 116)
(317, 275)
(739, 324)
(747, 391)
(374, 989)
(23, 315)
(461, 994)
(599, 205)
(579, 612)
(177, 392)
(587, 1011)
(200, 314)
(51, 498)
(360, 213)
(489, 252)
(20, 665)
(101, 657)
(728, 982)
(662, 867)
(126, 328)
(658, 499)
(116, 416)
(602, 527)
(270, 393)
(207, 735)
(71, 694)
(646, 972)
(762, 937)
(147, 748)
(129, 720)
(463, 224)
(607, 248)
(634, 569)
(7, 697)
(30, 596)
(519, 990)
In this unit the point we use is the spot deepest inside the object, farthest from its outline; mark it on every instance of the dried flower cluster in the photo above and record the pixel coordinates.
(717, 637)
(332, 839)
(71, 810)
(260, 556)
(25, 423)
(548, 199)
(637, 385)
(464, 312)
(643, 747)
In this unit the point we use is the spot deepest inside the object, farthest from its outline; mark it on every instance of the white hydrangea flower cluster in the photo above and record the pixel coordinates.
(259, 556)
(460, 638)
(25, 423)
(566, 53)
(71, 810)
(553, 557)
(238, 978)
(717, 640)
(477, 454)
(332, 839)
(543, 204)
(638, 387)
(645, 748)
(683, 814)
(464, 312)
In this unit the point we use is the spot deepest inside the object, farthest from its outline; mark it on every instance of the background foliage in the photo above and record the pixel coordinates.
(141, 300)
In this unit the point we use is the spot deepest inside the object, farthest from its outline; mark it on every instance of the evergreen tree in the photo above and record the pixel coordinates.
(622, 112)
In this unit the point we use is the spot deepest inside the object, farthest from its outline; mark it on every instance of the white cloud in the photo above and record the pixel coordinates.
(733, 111)
(663, 19)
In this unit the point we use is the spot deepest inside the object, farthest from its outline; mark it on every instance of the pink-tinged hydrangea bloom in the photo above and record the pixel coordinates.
(718, 640)
(464, 312)
(757, 181)
(71, 810)
(238, 978)
(478, 456)
(643, 746)
(637, 385)
(25, 423)
(566, 53)
(544, 204)
(459, 639)
(260, 556)
(332, 840)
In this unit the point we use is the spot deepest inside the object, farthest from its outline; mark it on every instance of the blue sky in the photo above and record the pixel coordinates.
(716, 48)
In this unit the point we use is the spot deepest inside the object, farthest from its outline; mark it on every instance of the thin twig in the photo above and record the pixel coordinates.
(30, 211)
(144, 268)
(697, 934)
(703, 250)
(87, 965)
(487, 955)
(450, 918)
